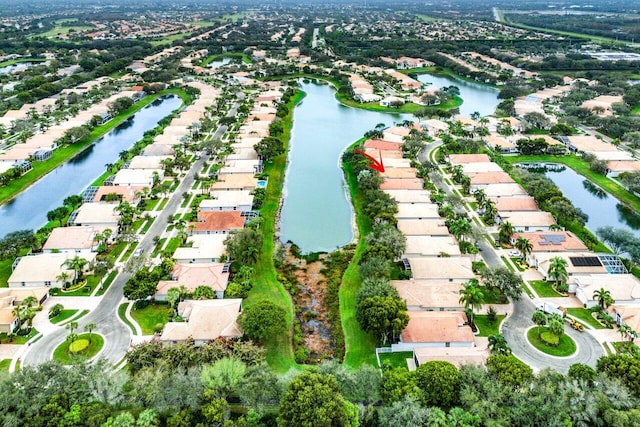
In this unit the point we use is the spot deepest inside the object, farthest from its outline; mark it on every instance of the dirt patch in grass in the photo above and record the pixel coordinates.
(310, 309)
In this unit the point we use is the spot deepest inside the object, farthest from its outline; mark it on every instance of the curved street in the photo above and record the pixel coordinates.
(515, 326)
(117, 335)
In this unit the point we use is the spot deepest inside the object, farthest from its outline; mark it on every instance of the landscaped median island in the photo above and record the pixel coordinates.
(551, 344)
(78, 348)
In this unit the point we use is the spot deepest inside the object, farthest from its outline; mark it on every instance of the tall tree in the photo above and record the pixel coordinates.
(558, 270)
(525, 247)
(385, 317)
(604, 298)
(471, 296)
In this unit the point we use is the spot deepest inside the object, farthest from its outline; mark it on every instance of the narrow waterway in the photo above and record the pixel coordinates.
(316, 213)
(476, 97)
(29, 209)
(603, 209)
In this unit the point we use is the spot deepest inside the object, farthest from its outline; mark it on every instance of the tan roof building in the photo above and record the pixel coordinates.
(417, 211)
(429, 294)
(528, 220)
(71, 239)
(423, 227)
(204, 321)
(401, 184)
(578, 263)
(458, 356)
(235, 181)
(504, 190)
(390, 172)
(214, 275)
(453, 269)
(627, 314)
(204, 248)
(515, 204)
(624, 288)
(409, 196)
(481, 179)
(431, 246)
(477, 167)
(126, 194)
(43, 269)
(436, 329)
(147, 162)
(228, 201)
(97, 214)
(460, 159)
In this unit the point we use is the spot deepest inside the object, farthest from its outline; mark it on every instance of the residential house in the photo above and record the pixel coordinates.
(228, 201)
(429, 295)
(528, 220)
(423, 227)
(204, 321)
(430, 246)
(624, 288)
(435, 329)
(43, 269)
(204, 248)
(100, 215)
(452, 269)
(71, 239)
(217, 222)
(214, 275)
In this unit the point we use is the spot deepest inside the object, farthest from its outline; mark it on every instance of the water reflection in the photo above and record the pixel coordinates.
(594, 189)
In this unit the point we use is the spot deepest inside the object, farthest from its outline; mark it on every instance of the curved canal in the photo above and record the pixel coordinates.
(316, 213)
(29, 209)
(476, 97)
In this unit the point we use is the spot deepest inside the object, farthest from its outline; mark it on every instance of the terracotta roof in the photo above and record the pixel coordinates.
(549, 241)
(515, 203)
(457, 159)
(437, 327)
(402, 184)
(218, 221)
(382, 145)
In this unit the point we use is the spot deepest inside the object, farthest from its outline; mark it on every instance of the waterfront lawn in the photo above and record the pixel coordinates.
(266, 285)
(5, 272)
(359, 346)
(64, 315)
(19, 60)
(121, 314)
(65, 153)
(486, 328)
(585, 315)
(151, 316)
(397, 359)
(544, 289)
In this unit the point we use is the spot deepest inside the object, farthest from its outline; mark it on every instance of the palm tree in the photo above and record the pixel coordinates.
(505, 231)
(63, 277)
(558, 270)
(498, 344)
(459, 228)
(471, 296)
(540, 319)
(524, 246)
(490, 212)
(603, 297)
(89, 327)
(480, 196)
(556, 325)
(76, 264)
(626, 330)
(30, 301)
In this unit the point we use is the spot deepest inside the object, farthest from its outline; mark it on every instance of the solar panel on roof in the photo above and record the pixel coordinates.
(552, 239)
(588, 261)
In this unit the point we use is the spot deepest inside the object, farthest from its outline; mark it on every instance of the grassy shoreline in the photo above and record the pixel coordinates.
(359, 346)
(266, 285)
(66, 153)
(20, 60)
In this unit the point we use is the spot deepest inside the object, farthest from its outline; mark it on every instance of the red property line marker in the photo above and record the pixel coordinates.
(375, 164)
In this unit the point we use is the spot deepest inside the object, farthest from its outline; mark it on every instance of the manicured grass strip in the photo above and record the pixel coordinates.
(19, 60)
(544, 289)
(359, 346)
(151, 204)
(507, 263)
(64, 154)
(397, 359)
(82, 314)
(151, 316)
(486, 328)
(64, 315)
(121, 314)
(162, 204)
(493, 296)
(585, 315)
(266, 286)
(147, 226)
(5, 272)
(4, 364)
(173, 244)
(566, 346)
(157, 249)
(62, 354)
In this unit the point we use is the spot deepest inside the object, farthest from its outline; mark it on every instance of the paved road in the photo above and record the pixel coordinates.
(117, 335)
(517, 323)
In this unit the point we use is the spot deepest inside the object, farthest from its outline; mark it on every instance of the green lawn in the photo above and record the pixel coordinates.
(487, 329)
(18, 339)
(544, 289)
(63, 30)
(151, 204)
(19, 60)
(585, 315)
(150, 316)
(359, 346)
(173, 244)
(397, 359)
(107, 282)
(4, 364)
(5, 272)
(566, 347)
(267, 287)
(64, 315)
(121, 314)
(62, 355)
(64, 154)
(157, 249)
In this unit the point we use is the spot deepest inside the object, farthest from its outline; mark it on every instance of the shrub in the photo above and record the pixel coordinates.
(492, 316)
(78, 346)
(550, 339)
(55, 310)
